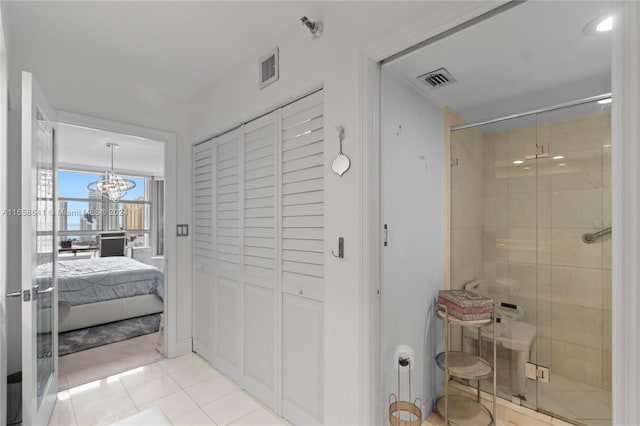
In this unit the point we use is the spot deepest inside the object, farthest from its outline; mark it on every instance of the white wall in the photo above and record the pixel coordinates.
(412, 160)
(306, 63)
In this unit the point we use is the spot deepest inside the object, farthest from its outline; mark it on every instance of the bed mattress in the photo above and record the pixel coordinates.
(105, 278)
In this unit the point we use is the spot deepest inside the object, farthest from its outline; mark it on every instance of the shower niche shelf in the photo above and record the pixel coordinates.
(458, 409)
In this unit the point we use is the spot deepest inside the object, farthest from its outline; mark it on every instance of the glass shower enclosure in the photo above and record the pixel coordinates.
(530, 228)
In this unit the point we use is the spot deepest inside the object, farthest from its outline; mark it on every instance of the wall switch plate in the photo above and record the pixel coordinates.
(182, 230)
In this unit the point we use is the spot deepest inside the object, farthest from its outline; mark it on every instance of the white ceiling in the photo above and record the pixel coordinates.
(531, 56)
(81, 147)
(176, 47)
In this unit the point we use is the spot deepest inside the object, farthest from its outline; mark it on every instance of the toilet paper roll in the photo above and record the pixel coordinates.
(404, 352)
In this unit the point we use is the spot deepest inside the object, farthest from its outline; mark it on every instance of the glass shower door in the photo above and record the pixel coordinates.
(530, 228)
(494, 243)
(574, 264)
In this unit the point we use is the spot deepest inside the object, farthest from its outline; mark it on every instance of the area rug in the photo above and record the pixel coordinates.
(92, 337)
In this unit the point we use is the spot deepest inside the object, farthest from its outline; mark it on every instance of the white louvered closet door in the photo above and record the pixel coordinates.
(269, 258)
(203, 232)
(302, 242)
(261, 258)
(228, 304)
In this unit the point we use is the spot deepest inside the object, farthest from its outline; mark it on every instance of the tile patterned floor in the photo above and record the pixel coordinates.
(93, 364)
(186, 389)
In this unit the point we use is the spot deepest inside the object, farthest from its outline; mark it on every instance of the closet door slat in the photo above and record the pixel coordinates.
(202, 200)
(302, 180)
(260, 258)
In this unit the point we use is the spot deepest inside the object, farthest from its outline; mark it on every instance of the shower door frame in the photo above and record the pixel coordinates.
(625, 199)
(539, 319)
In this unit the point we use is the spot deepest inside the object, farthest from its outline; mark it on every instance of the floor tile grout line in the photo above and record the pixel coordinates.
(129, 395)
(242, 417)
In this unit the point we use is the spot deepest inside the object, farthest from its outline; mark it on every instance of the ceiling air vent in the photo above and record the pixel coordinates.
(269, 68)
(437, 78)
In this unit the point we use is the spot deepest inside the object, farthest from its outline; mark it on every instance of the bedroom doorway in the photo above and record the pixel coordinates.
(111, 254)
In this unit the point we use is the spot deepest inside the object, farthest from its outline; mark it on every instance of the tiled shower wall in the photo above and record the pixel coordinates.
(534, 215)
(467, 216)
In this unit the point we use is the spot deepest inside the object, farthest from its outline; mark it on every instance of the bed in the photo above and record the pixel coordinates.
(105, 289)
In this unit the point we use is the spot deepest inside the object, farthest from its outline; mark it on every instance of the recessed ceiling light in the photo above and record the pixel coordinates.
(518, 162)
(558, 157)
(605, 101)
(605, 25)
(600, 25)
(562, 164)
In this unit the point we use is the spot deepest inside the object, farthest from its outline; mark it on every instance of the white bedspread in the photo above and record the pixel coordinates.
(104, 278)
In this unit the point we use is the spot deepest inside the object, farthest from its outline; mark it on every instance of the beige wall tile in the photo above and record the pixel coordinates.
(544, 246)
(544, 319)
(522, 180)
(544, 209)
(542, 355)
(466, 209)
(522, 245)
(606, 368)
(577, 170)
(577, 286)
(606, 329)
(606, 165)
(522, 210)
(606, 207)
(496, 180)
(544, 284)
(496, 244)
(577, 325)
(577, 362)
(577, 209)
(577, 134)
(606, 252)
(523, 280)
(567, 248)
(606, 289)
(496, 210)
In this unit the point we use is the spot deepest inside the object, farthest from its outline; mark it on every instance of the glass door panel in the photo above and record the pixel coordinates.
(494, 240)
(574, 270)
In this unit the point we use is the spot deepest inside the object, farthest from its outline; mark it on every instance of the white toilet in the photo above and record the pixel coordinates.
(511, 333)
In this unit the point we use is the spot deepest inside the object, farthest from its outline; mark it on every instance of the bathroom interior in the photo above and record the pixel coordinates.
(527, 216)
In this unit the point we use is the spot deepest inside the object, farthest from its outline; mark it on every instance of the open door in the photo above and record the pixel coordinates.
(39, 256)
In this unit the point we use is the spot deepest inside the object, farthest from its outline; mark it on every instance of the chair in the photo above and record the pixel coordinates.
(113, 243)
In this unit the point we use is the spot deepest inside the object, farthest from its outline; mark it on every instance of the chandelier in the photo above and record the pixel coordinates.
(111, 185)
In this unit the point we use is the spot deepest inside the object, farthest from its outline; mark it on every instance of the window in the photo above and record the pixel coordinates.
(83, 214)
(158, 216)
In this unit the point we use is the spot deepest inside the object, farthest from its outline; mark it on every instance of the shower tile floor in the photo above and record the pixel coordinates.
(562, 397)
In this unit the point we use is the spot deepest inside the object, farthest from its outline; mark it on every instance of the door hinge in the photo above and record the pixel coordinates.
(537, 372)
(385, 235)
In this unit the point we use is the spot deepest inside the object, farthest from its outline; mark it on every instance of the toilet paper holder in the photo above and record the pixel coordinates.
(406, 409)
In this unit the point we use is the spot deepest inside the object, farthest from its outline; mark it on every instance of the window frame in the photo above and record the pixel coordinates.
(111, 222)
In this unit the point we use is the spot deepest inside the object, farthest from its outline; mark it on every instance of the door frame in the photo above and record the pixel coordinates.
(172, 345)
(4, 111)
(35, 102)
(625, 201)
